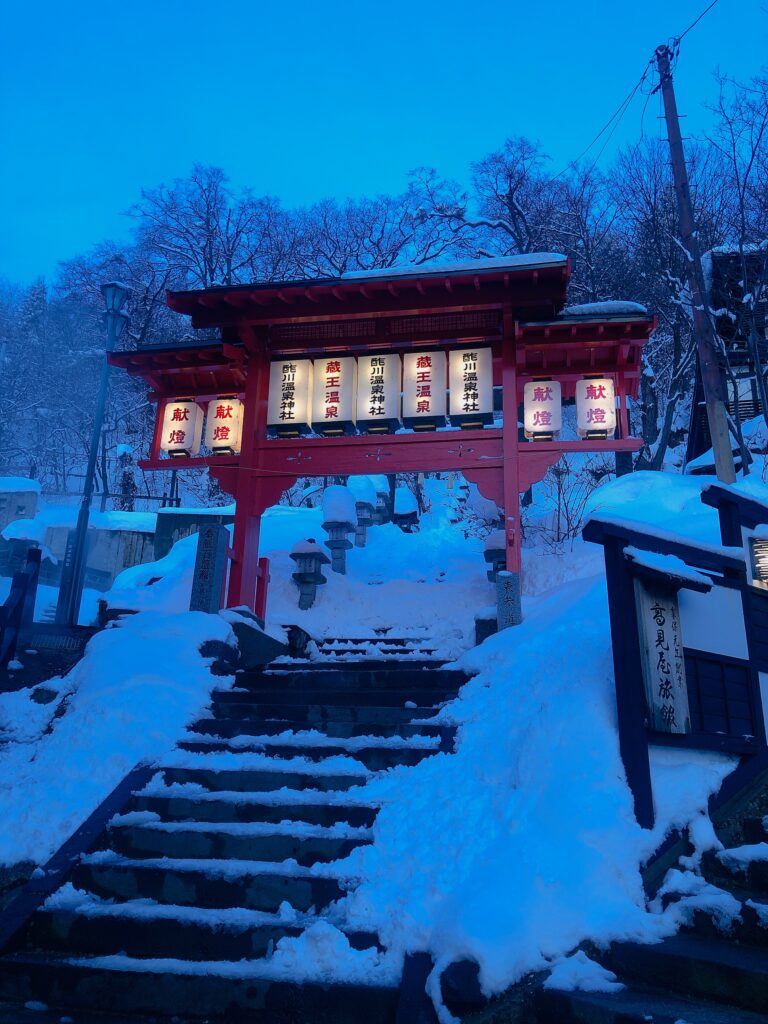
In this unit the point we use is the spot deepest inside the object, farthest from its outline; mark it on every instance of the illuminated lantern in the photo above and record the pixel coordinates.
(471, 387)
(333, 395)
(542, 409)
(182, 429)
(289, 409)
(595, 407)
(224, 426)
(378, 393)
(424, 399)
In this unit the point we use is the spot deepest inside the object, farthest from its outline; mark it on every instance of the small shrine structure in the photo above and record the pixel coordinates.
(410, 369)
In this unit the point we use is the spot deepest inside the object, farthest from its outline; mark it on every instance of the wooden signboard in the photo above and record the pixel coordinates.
(661, 649)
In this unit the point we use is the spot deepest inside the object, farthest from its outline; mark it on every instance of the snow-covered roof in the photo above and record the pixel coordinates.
(308, 547)
(213, 510)
(19, 484)
(612, 307)
(669, 565)
(519, 262)
(66, 516)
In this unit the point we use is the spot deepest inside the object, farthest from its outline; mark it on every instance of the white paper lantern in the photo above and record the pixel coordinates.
(471, 391)
(378, 392)
(542, 408)
(224, 425)
(289, 408)
(424, 398)
(182, 428)
(595, 407)
(333, 396)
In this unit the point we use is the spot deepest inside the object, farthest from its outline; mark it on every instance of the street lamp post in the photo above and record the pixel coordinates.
(73, 570)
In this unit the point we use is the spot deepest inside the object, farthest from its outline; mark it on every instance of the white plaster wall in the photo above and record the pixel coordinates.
(714, 622)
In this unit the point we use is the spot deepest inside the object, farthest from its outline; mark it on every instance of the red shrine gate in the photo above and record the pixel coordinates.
(507, 309)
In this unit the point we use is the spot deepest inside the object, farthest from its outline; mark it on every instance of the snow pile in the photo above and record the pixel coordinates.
(405, 502)
(537, 848)
(128, 700)
(362, 489)
(339, 505)
(164, 586)
(579, 973)
(514, 262)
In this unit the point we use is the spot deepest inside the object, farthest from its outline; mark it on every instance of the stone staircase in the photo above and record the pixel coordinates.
(714, 971)
(235, 843)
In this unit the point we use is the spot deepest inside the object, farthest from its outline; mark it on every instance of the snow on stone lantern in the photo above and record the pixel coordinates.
(406, 514)
(495, 553)
(382, 512)
(339, 519)
(309, 558)
(365, 506)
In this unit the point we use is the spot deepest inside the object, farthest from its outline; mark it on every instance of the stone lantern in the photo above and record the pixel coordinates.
(309, 558)
(339, 519)
(495, 553)
(365, 506)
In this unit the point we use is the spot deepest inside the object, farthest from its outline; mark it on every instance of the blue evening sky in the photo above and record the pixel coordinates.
(305, 100)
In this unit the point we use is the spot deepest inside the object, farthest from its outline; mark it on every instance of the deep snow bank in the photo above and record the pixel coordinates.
(129, 700)
(523, 843)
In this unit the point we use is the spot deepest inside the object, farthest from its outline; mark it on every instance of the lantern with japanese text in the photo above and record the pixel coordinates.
(289, 409)
(471, 383)
(182, 429)
(224, 426)
(378, 393)
(595, 408)
(424, 398)
(333, 395)
(542, 409)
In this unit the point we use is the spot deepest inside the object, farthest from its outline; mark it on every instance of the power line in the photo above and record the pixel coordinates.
(693, 24)
(615, 117)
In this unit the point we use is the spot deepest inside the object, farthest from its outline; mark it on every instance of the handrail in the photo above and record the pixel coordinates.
(18, 611)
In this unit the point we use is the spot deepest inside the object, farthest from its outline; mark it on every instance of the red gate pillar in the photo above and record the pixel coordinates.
(244, 573)
(511, 473)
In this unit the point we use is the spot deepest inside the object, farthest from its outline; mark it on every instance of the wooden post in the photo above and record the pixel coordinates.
(510, 467)
(630, 688)
(706, 346)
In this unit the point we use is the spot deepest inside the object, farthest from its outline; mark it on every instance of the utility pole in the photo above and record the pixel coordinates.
(706, 347)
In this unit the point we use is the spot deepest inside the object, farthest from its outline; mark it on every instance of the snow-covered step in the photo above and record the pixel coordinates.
(251, 772)
(201, 882)
(200, 989)
(306, 844)
(374, 756)
(285, 695)
(309, 805)
(242, 726)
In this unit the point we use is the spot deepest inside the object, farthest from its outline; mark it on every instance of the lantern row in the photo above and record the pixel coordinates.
(336, 395)
(376, 394)
(182, 427)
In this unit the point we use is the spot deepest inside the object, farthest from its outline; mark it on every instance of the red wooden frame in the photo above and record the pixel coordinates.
(390, 312)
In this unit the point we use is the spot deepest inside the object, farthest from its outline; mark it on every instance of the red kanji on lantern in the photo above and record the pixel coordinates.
(424, 391)
(334, 366)
(423, 361)
(424, 377)
(180, 414)
(221, 433)
(542, 418)
(595, 415)
(333, 382)
(542, 394)
(177, 437)
(223, 412)
(422, 406)
(332, 412)
(595, 391)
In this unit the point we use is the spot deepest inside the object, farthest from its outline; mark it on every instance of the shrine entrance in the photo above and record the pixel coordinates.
(413, 369)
